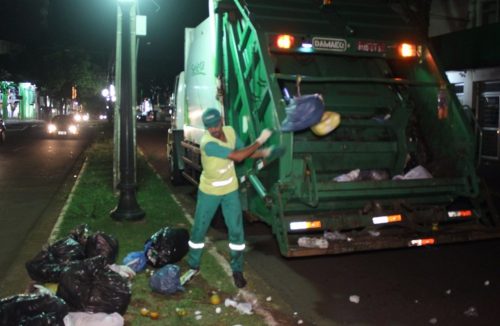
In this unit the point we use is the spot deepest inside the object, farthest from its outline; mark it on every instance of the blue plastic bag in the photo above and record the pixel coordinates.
(136, 260)
(166, 280)
(303, 112)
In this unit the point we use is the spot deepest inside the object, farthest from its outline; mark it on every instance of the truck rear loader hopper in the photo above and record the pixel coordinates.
(372, 65)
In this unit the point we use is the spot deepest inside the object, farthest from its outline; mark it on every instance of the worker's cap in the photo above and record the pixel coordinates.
(211, 118)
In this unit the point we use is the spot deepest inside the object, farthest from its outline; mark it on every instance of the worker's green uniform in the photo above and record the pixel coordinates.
(218, 186)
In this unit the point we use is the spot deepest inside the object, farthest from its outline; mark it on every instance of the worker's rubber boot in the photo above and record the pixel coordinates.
(239, 280)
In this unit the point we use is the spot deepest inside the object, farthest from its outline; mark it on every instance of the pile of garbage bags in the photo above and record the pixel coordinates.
(164, 248)
(91, 289)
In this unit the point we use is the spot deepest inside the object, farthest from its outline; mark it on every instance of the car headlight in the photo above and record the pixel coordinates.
(73, 129)
(51, 128)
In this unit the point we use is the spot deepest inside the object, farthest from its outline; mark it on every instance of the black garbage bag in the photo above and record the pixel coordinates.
(303, 112)
(32, 309)
(81, 233)
(167, 246)
(47, 265)
(102, 244)
(166, 280)
(90, 286)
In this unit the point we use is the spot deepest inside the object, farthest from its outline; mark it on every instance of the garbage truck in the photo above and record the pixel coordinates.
(399, 170)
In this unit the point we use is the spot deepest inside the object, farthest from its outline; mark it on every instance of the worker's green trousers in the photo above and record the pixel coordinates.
(206, 207)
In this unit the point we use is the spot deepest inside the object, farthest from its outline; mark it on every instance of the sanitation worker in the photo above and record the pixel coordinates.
(220, 148)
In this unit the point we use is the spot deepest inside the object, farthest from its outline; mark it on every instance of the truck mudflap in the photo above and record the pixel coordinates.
(368, 240)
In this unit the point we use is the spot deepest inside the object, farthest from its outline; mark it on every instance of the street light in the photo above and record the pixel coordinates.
(127, 208)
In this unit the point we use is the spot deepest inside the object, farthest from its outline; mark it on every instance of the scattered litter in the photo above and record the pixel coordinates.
(243, 308)
(335, 235)
(295, 313)
(268, 299)
(486, 283)
(198, 317)
(354, 298)
(300, 322)
(418, 172)
(93, 319)
(181, 312)
(123, 270)
(448, 292)
(218, 310)
(433, 320)
(197, 312)
(307, 242)
(350, 176)
(471, 312)
(374, 233)
(416, 301)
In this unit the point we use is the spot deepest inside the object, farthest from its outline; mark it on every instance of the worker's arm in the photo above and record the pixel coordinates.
(240, 153)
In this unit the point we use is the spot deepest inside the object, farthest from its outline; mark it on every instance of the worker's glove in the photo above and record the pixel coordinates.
(265, 152)
(264, 136)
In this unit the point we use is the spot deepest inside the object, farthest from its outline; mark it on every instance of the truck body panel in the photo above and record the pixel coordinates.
(396, 113)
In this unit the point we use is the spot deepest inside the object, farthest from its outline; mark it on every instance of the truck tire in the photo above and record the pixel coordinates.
(173, 164)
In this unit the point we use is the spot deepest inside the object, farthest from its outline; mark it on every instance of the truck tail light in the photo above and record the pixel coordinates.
(387, 219)
(407, 50)
(284, 41)
(462, 213)
(422, 242)
(305, 225)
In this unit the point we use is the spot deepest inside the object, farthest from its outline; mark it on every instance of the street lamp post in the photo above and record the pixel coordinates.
(127, 208)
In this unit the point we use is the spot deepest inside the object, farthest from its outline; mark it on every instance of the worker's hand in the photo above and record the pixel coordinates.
(264, 136)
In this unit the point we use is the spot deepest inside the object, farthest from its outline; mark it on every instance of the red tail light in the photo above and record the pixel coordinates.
(284, 41)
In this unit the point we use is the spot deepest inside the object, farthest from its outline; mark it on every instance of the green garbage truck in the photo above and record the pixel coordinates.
(399, 170)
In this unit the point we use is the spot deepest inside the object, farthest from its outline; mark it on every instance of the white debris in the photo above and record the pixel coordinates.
(197, 312)
(354, 298)
(471, 312)
(242, 307)
(198, 317)
(335, 235)
(416, 301)
(374, 233)
(487, 283)
(418, 172)
(295, 313)
(268, 299)
(218, 310)
(300, 322)
(433, 320)
(307, 242)
(448, 292)
(351, 176)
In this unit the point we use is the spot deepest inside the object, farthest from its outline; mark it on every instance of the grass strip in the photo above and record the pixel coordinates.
(91, 203)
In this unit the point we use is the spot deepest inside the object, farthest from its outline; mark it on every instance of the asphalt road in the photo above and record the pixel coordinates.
(445, 285)
(36, 175)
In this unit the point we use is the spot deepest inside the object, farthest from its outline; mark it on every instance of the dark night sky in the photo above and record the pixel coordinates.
(91, 24)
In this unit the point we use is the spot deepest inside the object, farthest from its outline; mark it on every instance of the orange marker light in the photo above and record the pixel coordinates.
(407, 50)
(284, 41)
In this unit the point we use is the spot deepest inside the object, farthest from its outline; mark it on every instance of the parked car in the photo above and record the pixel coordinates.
(63, 125)
(3, 131)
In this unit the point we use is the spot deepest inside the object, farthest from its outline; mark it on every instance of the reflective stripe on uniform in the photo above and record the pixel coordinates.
(196, 245)
(237, 247)
(222, 183)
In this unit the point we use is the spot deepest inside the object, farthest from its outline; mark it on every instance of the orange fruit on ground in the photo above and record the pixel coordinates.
(215, 299)
(154, 315)
(144, 312)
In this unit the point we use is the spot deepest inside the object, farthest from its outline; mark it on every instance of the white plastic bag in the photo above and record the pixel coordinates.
(93, 319)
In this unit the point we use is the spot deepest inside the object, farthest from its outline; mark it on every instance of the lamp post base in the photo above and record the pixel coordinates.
(128, 208)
